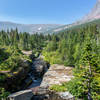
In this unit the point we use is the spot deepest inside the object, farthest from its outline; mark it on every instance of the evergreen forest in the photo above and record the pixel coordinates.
(77, 47)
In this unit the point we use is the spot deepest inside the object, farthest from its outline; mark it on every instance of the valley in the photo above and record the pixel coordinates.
(74, 48)
(51, 61)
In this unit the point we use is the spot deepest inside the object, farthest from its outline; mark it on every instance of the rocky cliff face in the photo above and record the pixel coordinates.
(94, 14)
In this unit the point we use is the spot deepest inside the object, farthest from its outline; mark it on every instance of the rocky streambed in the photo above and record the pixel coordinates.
(38, 69)
(40, 78)
(56, 74)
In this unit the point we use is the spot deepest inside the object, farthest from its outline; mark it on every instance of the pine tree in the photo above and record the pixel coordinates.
(88, 70)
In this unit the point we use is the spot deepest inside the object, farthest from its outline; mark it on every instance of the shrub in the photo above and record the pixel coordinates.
(3, 94)
(58, 88)
(76, 87)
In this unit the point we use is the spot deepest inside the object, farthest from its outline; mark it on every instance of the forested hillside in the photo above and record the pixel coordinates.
(79, 48)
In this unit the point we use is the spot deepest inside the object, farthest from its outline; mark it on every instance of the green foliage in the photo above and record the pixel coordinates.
(52, 57)
(79, 47)
(3, 94)
(12, 61)
(58, 88)
(11, 56)
(52, 46)
(2, 78)
(86, 83)
(68, 44)
(3, 55)
(24, 41)
(77, 87)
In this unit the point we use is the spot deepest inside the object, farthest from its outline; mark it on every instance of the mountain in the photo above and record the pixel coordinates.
(52, 28)
(31, 28)
(94, 15)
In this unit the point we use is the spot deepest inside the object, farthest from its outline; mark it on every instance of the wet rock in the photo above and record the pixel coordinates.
(39, 67)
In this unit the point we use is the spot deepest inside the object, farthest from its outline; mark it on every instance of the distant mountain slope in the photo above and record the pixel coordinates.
(31, 28)
(53, 28)
(94, 15)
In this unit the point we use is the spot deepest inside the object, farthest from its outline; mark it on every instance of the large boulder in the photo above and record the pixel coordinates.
(21, 95)
(39, 67)
(57, 74)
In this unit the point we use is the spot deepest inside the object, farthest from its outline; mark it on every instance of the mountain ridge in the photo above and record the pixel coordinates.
(52, 28)
(91, 16)
(30, 28)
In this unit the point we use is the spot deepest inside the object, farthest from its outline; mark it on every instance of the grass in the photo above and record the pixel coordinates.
(59, 88)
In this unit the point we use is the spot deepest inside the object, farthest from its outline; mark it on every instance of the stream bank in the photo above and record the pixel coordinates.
(42, 76)
(56, 74)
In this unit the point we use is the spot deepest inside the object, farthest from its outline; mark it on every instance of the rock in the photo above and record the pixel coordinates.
(39, 67)
(22, 95)
(57, 74)
(65, 96)
(14, 82)
(41, 97)
(49, 95)
(28, 53)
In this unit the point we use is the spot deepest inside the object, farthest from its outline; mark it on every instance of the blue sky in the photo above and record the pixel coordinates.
(44, 11)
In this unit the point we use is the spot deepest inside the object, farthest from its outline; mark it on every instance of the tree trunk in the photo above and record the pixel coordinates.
(89, 84)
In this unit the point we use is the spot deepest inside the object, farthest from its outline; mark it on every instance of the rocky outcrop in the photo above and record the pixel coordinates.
(39, 67)
(46, 94)
(57, 74)
(54, 96)
(22, 95)
(14, 81)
